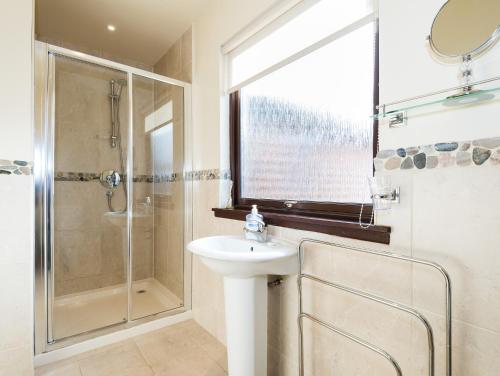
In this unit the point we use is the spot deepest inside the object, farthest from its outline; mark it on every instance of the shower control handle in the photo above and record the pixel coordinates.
(110, 179)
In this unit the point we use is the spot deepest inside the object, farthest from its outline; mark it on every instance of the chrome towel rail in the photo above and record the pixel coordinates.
(378, 299)
(390, 303)
(353, 338)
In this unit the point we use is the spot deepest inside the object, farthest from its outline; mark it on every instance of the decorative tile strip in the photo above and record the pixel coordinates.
(214, 174)
(93, 176)
(141, 178)
(167, 178)
(15, 167)
(443, 154)
(76, 176)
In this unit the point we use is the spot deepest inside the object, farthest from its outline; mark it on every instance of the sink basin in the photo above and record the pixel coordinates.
(237, 257)
(245, 265)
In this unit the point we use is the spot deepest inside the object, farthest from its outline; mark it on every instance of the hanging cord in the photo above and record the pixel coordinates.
(371, 223)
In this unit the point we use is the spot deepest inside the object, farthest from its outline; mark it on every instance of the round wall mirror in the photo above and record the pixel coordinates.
(465, 27)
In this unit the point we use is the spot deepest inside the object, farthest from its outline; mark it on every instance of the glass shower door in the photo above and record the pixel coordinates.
(157, 198)
(89, 221)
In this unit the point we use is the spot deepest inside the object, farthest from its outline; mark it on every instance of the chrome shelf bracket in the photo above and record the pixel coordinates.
(398, 119)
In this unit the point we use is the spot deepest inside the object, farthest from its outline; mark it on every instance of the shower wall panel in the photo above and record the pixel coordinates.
(143, 220)
(159, 203)
(169, 198)
(168, 229)
(89, 250)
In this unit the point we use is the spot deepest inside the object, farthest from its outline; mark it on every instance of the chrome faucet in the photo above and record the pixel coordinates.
(255, 227)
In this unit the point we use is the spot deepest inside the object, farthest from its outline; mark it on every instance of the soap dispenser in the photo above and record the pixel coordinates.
(254, 218)
(255, 228)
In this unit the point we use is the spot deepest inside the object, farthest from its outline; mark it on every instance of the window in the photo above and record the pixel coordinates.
(293, 32)
(302, 134)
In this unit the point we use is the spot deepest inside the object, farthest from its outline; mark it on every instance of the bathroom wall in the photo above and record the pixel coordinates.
(169, 193)
(220, 21)
(448, 215)
(16, 198)
(143, 223)
(90, 249)
(163, 152)
(451, 215)
(177, 61)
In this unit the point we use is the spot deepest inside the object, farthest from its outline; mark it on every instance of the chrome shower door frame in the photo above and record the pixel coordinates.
(44, 184)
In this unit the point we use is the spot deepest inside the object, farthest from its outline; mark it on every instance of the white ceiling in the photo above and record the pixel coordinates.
(145, 29)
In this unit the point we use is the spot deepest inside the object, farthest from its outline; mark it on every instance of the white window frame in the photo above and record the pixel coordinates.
(275, 18)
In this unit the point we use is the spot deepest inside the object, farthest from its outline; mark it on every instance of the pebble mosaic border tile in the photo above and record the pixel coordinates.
(440, 155)
(213, 174)
(167, 178)
(76, 176)
(15, 167)
(92, 176)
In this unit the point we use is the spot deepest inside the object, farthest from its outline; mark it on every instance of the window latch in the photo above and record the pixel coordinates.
(290, 204)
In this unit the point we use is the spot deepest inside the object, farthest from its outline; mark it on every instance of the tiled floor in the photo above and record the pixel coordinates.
(184, 349)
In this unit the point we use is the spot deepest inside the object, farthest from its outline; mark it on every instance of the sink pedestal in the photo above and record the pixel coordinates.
(245, 265)
(246, 325)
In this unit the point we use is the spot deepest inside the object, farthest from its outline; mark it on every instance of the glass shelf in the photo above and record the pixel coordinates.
(397, 113)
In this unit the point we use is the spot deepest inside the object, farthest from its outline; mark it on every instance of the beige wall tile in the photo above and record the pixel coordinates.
(16, 268)
(16, 361)
(187, 56)
(85, 240)
(177, 61)
(465, 243)
(88, 248)
(16, 297)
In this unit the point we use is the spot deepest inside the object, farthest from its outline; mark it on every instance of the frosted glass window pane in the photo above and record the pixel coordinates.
(316, 23)
(306, 132)
(162, 150)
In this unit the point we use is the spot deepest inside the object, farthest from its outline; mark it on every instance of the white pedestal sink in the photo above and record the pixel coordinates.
(245, 265)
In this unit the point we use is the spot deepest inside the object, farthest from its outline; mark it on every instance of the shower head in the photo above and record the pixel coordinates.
(116, 87)
(471, 97)
(119, 82)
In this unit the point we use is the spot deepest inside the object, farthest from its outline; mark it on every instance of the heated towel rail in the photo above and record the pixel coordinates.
(389, 303)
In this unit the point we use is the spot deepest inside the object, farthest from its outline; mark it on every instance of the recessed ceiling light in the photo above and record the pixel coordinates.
(111, 28)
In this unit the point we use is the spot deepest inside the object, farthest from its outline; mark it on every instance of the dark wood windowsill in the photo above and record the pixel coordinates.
(346, 229)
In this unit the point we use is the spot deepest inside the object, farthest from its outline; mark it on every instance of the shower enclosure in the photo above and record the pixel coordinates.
(112, 205)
